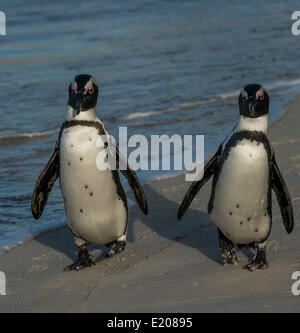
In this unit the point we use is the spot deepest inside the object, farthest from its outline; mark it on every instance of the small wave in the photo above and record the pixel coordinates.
(7, 222)
(166, 122)
(20, 138)
(184, 106)
(269, 87)
(17, 198)
(138, 115)
(279, 84)
(229, 95)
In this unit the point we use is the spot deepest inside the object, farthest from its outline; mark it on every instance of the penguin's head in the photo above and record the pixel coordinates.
(253, 101)
(83, 93)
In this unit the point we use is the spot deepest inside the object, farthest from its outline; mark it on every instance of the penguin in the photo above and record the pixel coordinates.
(244, 171)
(94, 198)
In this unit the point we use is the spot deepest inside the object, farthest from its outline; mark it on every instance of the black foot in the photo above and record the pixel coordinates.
(115, 247)
(84, 260)
(227, 249)
(259, 261)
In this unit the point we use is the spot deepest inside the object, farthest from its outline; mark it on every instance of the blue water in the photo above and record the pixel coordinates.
(163, 67)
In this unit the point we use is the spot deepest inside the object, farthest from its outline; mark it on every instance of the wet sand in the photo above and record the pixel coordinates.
(168, 265)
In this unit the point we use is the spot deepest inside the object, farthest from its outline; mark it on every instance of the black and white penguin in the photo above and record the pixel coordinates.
(95, 201)
(244, 171)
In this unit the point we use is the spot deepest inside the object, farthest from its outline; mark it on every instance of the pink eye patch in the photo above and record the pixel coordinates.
(74, 88)
(245, 95)
(259, 95)
(88, 90)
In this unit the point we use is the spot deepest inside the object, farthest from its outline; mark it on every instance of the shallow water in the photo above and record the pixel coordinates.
(163, 67)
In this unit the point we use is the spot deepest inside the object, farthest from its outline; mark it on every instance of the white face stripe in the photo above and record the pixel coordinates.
(90, 83)
(74, 86)
(244, 93)
(258, 94)
(261, 89)
(88, 86)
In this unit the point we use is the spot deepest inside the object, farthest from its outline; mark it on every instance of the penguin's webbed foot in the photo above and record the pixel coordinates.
(115, 248)
(227, 250)
(259, 261)
(256, 265)
(84, 260)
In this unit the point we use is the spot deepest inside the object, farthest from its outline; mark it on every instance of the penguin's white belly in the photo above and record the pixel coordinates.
(241, 194)
(94, 210)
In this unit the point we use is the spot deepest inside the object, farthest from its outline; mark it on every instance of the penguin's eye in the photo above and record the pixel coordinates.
(260, 95)
(74, 89)
(245, 96)
(89, 90)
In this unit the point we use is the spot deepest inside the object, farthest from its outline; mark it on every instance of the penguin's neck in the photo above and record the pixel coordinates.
(89, 115)
(253, 124)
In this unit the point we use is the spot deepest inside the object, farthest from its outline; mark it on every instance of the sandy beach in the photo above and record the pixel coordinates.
(168, 265)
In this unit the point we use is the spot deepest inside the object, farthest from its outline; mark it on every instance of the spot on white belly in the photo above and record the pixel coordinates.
(93, 208)
(241, 194)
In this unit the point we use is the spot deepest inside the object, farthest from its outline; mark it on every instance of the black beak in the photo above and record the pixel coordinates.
(251, 107)
(79, 98)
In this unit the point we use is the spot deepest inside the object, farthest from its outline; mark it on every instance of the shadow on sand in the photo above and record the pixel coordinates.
(162, 220)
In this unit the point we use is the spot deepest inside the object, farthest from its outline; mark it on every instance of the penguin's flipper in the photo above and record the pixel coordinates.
(134, 183)
(44, 184)
(195, 187)
(283, 196)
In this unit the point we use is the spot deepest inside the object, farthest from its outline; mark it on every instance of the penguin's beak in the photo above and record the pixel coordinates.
(251, 107)
(79, 98)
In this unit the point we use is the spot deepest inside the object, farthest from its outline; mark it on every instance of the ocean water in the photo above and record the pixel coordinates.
(163, 67)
